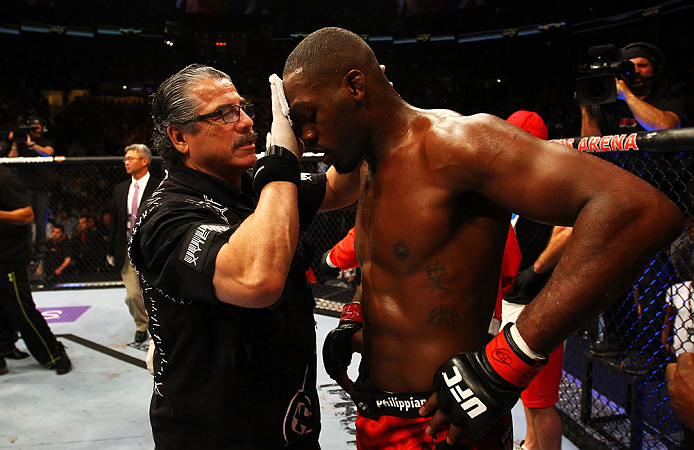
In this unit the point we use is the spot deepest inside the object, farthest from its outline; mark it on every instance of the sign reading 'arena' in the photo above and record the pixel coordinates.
(612, 143)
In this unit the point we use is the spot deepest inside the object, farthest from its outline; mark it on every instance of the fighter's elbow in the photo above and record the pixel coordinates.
(674, 219)
(661, 218)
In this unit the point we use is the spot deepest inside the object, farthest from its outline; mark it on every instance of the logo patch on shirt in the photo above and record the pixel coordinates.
(198, 243)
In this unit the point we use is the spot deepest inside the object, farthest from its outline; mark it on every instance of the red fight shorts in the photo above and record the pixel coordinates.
(543, 391)
(396, 433)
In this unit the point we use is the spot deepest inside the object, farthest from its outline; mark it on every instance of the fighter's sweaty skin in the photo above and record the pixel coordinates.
(430, 258)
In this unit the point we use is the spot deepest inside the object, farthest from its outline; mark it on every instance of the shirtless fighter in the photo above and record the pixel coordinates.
(433, 216)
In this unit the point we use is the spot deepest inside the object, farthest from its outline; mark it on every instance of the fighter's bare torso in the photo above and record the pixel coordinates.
(430, 252)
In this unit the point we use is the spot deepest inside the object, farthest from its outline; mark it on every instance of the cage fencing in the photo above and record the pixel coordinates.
(613, 393)
(75, 195)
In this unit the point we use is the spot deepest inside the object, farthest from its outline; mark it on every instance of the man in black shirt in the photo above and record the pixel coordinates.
(17, 308)
(641, 104)
(222, 272)
(58, 255)
(35, 143)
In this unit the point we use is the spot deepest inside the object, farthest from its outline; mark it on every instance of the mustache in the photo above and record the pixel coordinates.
(246, 139)
(638, 76)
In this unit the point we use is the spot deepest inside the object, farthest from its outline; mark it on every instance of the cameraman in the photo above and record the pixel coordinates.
(35, 143)
(641, 104)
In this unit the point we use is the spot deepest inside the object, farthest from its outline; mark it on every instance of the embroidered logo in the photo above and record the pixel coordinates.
(298, 419)
(199, 243)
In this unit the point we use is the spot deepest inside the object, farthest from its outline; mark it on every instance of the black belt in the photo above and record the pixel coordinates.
(373, 402)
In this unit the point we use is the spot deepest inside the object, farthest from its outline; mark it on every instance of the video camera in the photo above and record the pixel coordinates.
(599, 86)
(20, 131)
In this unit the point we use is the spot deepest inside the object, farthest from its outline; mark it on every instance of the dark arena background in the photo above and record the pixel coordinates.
(88, 68)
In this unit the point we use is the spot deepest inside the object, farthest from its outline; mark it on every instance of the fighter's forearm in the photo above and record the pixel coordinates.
(611, 243)
(650, 117)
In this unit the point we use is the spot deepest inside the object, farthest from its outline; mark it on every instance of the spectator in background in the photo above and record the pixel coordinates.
(85, 245)
(128, 197)
(682, 252)
(68, 222)
(680, 386)
(98, 252)
(57, 258)
(106, 219)
(640, 104)
(103, 230)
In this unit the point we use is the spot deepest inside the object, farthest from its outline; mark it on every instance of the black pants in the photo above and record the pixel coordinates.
(8, 337)
(18, 313)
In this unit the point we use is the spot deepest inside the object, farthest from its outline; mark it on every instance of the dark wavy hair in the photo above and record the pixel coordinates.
(172, 105)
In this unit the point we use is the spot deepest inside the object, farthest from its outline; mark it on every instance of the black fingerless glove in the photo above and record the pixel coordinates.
(476, 388)
(337, 348)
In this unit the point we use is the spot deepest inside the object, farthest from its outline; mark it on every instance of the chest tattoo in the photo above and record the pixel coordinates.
(436, 275)
(444, 315)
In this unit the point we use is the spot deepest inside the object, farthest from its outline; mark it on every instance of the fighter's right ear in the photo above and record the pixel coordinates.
(178, 138)
(355, 83)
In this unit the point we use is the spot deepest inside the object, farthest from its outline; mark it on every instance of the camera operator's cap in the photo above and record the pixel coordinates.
(530, 122)
(36, 120)
(643, 50)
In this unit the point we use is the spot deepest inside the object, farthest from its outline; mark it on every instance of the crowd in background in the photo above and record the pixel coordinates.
(497, 76)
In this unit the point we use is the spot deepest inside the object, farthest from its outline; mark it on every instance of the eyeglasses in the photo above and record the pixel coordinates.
(132, 158)
(229, 113)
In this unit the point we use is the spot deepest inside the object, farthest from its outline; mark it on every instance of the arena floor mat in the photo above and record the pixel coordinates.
(104, 401)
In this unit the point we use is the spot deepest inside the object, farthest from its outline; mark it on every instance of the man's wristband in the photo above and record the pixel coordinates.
(281, 151)
(278, 164)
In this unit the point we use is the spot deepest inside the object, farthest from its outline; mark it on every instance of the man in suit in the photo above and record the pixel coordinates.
(128, 197)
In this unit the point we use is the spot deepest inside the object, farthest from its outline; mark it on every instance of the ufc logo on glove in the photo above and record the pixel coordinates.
(472, 405)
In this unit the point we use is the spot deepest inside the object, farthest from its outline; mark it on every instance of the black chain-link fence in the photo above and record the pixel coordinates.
(613, 394)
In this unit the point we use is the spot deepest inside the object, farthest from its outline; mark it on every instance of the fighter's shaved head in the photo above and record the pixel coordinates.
(331, 52)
